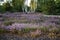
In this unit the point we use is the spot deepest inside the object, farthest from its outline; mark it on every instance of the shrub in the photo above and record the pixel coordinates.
(2, 9)
(54, 30)
(44, 29)
(1, 31)
(7, 6)
(25, 30)
(52, 35)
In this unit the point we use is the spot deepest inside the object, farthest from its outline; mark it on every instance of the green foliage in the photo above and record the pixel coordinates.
(25, 30)
(44, 29)
(1, 31)
(54, 30)
(17, 5)
(58, 8)
(49, 7)
(8, 23)
(7, 6)
(32, 32)
(39, 5)
(2, 9)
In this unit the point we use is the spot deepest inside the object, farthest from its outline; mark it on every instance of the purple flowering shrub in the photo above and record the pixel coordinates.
(30, 24)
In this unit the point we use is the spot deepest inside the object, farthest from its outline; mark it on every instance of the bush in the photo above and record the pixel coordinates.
(54, 30)
(49, 7)
(52, 35)
(2, 9)
(25, 30)
(1, 30)
(17, 5)
(58, 8)
(44, 29)
(7, 6)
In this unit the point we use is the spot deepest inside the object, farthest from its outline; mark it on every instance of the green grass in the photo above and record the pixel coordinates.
(6, 23)
(26, 30)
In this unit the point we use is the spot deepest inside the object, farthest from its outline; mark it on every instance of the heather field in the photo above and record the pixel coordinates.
(29, 26)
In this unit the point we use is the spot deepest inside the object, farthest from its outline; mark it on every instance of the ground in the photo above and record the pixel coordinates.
(28, 24)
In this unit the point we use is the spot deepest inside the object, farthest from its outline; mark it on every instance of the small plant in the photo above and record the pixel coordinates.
(54, 30)
(8, 23)
(52, 35)
(36, 33)
(44, 29)
(2, 9)
(25, 30)
(1, 30)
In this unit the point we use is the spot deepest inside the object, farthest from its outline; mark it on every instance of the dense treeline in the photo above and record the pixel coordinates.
(44, 6)
(50, 7)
